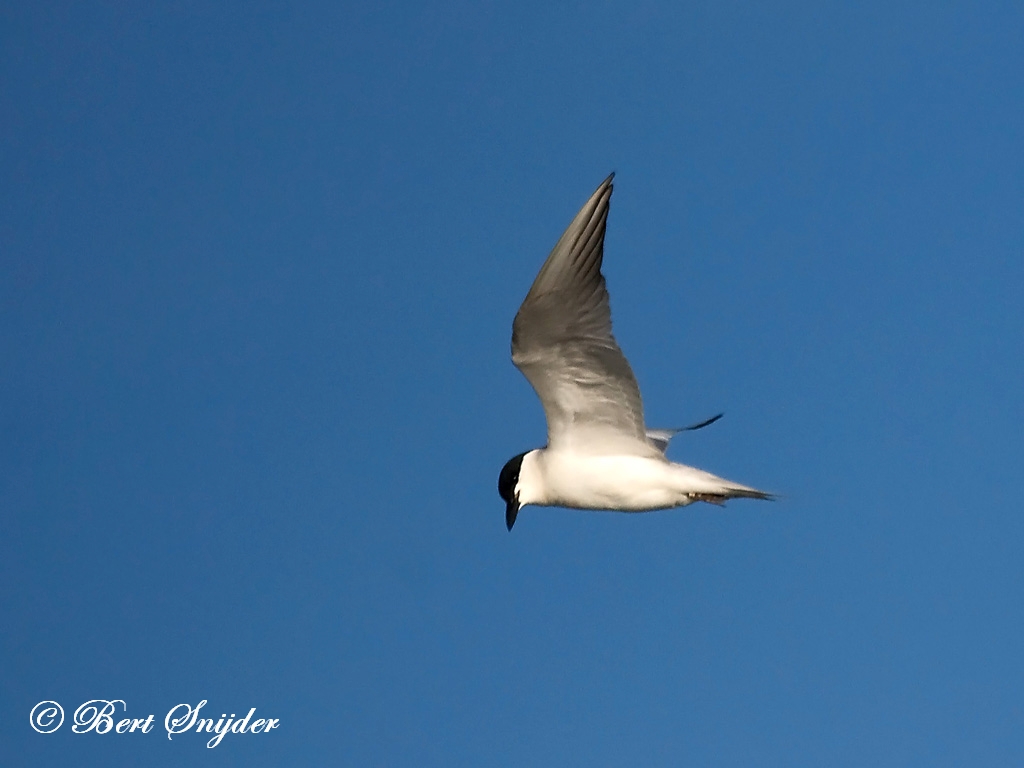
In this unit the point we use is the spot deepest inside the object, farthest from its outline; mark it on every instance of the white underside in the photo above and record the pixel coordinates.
(623, 483)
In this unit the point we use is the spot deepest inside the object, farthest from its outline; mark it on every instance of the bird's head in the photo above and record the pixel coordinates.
(508, 487)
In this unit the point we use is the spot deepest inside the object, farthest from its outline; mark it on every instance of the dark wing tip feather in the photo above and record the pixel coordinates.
(702, 424)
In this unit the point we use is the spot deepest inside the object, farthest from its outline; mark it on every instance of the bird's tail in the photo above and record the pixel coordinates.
(704, 486)
(739, 492)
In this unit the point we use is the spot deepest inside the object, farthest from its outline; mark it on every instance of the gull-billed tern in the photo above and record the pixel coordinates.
(599, 454)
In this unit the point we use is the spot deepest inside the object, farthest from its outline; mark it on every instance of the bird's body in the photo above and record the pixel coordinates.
(599, 455)
(617, 482)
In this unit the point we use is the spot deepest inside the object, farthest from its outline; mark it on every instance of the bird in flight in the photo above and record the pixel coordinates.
(599, 454)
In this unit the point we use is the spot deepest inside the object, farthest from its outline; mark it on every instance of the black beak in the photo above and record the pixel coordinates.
(511, 510)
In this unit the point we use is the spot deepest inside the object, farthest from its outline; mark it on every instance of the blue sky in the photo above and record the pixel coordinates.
(258, 267)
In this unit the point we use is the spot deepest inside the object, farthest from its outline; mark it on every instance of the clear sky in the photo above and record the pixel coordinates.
(258, 268)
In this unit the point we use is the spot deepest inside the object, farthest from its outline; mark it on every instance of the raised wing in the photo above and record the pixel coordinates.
(562, 342)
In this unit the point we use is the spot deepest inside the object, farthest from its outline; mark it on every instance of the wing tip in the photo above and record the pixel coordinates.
(702, 424)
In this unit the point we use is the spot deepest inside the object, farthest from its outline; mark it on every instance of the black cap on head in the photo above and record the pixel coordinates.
(507, 488)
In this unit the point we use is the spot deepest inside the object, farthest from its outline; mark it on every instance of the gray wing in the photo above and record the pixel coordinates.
(562, 342)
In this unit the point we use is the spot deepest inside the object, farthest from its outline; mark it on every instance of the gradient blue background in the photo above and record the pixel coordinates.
(259, 267)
